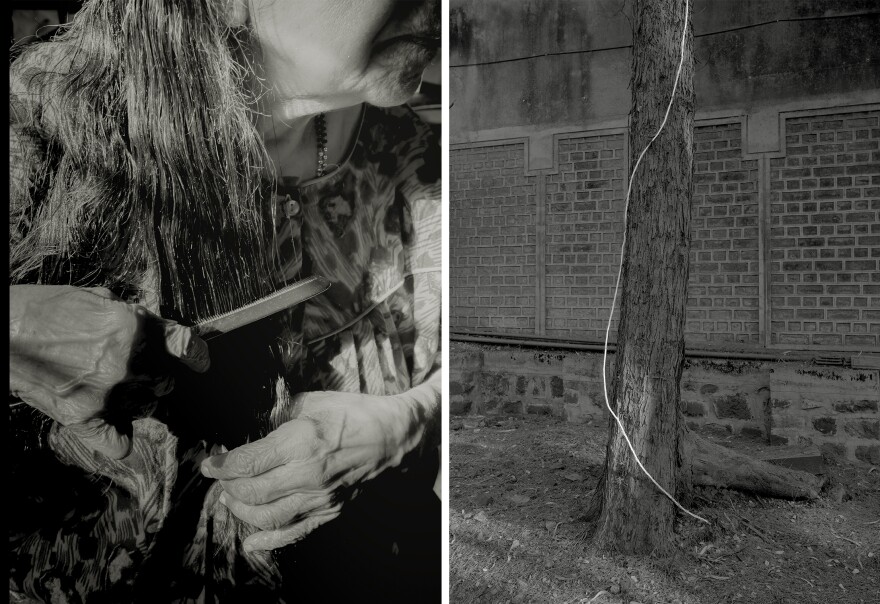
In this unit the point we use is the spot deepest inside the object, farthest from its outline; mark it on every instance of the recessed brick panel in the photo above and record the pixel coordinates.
(825, 232)
(584, 227)
(492, 240)
(823, 240)
(724, 273)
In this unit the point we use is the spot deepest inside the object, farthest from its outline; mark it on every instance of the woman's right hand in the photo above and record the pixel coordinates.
(86, 359)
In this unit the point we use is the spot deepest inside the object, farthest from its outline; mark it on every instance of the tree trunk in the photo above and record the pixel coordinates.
(635, 516)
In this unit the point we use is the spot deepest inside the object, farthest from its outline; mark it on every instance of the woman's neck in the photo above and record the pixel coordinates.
(292, 143)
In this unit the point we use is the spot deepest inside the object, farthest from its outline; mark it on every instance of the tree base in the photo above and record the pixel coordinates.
(709, 464)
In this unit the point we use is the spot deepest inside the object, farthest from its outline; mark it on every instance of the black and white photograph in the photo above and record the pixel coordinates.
(225, 301)
(664, 301)
(423, 301)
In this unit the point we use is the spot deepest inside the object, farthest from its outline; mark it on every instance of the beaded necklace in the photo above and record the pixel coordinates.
(321, 136)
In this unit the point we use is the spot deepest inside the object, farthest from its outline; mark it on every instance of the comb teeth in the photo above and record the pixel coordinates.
(216, 317)
(249, 313)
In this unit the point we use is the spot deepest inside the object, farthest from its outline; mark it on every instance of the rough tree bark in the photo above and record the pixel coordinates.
(633, 515)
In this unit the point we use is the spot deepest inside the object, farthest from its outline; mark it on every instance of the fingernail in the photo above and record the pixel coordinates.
(177, 338)
(214, 461)
(164, 387)
(198, 352)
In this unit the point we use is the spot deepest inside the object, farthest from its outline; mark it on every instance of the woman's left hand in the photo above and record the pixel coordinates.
(297, 478)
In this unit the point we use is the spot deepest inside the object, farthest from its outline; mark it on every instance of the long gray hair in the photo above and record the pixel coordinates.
(149, 162)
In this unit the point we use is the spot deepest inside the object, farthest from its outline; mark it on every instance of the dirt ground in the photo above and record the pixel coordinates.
(519, 486)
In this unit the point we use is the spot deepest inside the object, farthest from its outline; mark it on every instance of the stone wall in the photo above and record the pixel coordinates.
(795, 403)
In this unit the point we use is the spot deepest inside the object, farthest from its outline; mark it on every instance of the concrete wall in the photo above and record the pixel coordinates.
(786, 207)
(580, 73)
(794, 403)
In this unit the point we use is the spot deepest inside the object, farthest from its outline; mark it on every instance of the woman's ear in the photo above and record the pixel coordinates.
(237, 12)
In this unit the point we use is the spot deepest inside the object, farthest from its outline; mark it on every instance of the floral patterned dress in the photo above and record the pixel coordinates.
(149, 527)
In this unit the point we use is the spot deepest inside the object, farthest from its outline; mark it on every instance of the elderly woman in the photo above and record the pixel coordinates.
(176, 159)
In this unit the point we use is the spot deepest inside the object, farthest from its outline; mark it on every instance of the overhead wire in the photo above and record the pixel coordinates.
(702, 35)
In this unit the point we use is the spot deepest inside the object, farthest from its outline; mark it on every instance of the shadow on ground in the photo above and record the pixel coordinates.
(519, 487)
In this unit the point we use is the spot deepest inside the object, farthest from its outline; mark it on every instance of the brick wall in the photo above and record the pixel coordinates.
(825, 218)
(492, 240)
(583, 233)
(724, 272)
(807, 224)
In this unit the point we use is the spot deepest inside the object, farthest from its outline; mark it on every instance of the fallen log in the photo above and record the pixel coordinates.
(716, 466)
(706, 463)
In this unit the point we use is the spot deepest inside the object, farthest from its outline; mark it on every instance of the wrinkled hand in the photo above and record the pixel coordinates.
(297, 478)
(84, 358)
